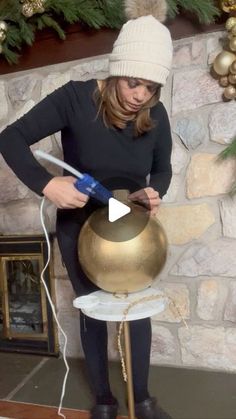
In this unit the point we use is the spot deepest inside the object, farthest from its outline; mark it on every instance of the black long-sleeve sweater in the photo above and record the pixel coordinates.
(87, 144)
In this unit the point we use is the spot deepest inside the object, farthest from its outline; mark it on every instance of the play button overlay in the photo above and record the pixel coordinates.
(122, 219)
(117, 210)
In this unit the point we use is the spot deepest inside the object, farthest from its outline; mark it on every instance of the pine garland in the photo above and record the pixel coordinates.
(227, 153)
(94, 13)
(205, 10)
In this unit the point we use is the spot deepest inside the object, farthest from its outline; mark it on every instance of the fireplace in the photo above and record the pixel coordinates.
(26, 322)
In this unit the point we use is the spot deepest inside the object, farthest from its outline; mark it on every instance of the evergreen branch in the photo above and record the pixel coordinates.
(27, 32)
(114, 13)
(51, 23)
(205, 10)
(10, 10)
(173, 9)
(67, 8)
(229, 151)
(89, 12)
(11, 56)
(13, 38)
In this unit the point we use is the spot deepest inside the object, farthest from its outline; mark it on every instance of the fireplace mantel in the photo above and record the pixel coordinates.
(82, 42)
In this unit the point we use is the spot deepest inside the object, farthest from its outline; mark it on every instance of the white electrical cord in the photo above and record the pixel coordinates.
(54, 310)
(59, 162)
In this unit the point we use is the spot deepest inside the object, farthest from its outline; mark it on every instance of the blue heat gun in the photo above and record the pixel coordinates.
(85, 183)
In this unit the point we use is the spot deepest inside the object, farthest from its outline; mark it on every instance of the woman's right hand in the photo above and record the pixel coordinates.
(61, 191)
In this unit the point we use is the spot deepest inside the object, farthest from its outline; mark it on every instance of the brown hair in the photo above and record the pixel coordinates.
(115, 115)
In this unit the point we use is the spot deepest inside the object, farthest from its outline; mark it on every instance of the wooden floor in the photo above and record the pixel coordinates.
(15, 410)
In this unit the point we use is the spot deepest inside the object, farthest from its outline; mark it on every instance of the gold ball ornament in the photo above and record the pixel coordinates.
(2, 36)
(230, 92)
(122, 266)
(232, 68)
(224, 81)
(222, 63)
(233, 30)
(1, 48)
(38, 6)
(232, 78)
(228, 5)
(230, 23)
(3, 26)
(232, 44)
(27, 10)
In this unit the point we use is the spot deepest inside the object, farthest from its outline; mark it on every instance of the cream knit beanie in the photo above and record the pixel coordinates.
(143, 50)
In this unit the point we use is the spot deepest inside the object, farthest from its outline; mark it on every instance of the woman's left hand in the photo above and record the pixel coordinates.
(147, 197)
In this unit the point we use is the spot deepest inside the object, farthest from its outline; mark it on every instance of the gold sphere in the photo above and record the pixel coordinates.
(27, 10)
(233, 30)
(230, 22)
(232, 68)
(232, 78)
(230, 92)
(232, 44)
(2, 36)
(224, 81)
(222, 62)
(3, 26)
(122, 266)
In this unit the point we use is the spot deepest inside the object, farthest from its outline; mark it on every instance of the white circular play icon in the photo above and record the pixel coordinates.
(116, 210)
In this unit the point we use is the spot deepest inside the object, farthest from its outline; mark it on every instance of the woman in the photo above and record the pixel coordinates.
(118, 131)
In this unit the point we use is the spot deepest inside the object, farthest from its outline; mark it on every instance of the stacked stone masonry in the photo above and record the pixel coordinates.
(198, 214)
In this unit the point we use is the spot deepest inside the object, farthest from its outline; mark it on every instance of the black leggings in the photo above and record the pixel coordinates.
(94, 332)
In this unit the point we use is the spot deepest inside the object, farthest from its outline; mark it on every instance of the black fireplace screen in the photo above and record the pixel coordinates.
(26, 322)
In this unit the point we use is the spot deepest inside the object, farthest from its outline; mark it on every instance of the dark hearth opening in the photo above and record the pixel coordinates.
(26, 321)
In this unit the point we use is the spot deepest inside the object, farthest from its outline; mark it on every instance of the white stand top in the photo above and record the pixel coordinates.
(102, 305)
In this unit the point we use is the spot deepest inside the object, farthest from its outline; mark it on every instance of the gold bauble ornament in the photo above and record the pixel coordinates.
(230, 92)
(222, 62)
(30, 7)
(232, 78)
(117, 260)
(230, 23)
(27, 10)
(38, 6)
(3, 30)
(232, 68)
(224, 81)
(233, 30)
(2, 36)
(232, 44)
(3, 26)
(228, 5)
(0, 48)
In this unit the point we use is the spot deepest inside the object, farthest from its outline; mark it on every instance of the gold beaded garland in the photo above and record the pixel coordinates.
(232, 78)
(232, 68)
(233, 30)
(224, 81)
(232, 44)
(230, 22)
(222, 62)
(230, 92)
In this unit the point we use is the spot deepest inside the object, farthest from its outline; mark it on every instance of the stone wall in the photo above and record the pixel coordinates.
(198, 214)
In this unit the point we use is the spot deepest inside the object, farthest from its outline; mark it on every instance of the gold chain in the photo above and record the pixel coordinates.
(126, 311)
